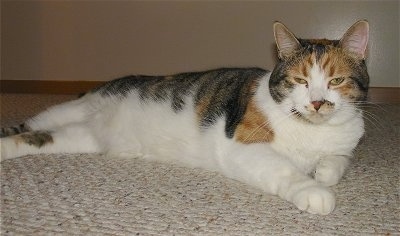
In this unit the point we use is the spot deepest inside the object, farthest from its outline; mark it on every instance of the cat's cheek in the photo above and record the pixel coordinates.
(335, 98)
(300, 99)
(286, 106)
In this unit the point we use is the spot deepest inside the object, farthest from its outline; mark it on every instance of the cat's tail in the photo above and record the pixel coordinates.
(74, 138)
(14, 130)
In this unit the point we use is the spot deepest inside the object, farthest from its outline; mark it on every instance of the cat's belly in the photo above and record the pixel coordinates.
(155, 131)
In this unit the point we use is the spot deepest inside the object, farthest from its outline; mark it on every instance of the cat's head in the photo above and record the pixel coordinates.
(318, 79)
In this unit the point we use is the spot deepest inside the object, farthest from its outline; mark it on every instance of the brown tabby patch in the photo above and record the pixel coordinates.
(254, 127)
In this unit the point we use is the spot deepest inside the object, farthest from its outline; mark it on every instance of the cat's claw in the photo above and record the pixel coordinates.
(315, 200)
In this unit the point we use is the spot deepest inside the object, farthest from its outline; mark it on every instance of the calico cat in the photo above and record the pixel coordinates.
(289, 132)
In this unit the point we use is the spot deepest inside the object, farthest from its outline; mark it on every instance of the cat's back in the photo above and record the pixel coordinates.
(223, 82)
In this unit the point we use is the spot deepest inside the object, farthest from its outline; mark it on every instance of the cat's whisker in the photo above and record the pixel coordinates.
(267, 123)
(368, 104)
(256, 130)
(364, 105)
(368, 115)
(373, 119)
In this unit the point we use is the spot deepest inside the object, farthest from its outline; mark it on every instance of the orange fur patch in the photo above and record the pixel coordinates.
(254, 127)
(334, 64)
(303, 68)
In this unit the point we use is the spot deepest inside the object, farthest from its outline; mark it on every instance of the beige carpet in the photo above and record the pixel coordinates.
(92, 195)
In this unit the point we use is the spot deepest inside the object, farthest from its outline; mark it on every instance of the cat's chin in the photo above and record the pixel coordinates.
(316, 118)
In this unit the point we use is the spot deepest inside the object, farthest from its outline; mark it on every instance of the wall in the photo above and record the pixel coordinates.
(101, 40)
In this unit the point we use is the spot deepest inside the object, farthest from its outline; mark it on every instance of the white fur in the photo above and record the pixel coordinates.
(153, 130)
(318, 88)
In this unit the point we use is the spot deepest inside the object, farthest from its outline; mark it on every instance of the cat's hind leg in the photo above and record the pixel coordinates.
(60, 115)
(74, 138)
(56, 116)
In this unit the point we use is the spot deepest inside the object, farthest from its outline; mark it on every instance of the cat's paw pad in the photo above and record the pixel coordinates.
(327, 176)
(315, 200)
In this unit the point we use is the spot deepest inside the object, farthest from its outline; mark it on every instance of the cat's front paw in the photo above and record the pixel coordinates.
(315, 200)
(327, 176)
(330, 170)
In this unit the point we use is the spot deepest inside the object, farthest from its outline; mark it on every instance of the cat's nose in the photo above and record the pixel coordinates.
(317, 104)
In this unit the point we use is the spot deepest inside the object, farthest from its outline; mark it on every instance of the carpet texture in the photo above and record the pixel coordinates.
(88, 194)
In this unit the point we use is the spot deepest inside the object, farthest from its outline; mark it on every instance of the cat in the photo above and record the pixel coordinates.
(289, 132)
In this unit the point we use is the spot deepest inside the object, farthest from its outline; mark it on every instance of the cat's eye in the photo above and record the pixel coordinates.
(336, 81)
(300, 81)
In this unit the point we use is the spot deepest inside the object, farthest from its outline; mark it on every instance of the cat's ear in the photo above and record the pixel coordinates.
(356, 38)
(285, 40)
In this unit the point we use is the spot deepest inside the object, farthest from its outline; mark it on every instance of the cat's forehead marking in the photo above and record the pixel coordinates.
(305, 69)
(308, 67)
(329, 64)
(325, 63)
(336, 64)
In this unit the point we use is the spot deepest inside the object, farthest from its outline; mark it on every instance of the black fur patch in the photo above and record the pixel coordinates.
(361, 78)
(279, 86)
(316, 46)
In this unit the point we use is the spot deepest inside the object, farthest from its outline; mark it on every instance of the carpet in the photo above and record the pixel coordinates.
(89, 194)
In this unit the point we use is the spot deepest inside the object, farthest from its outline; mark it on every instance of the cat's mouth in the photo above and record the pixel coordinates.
(310, 117)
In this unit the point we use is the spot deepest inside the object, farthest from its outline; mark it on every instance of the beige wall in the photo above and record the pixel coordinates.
(100, 40)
